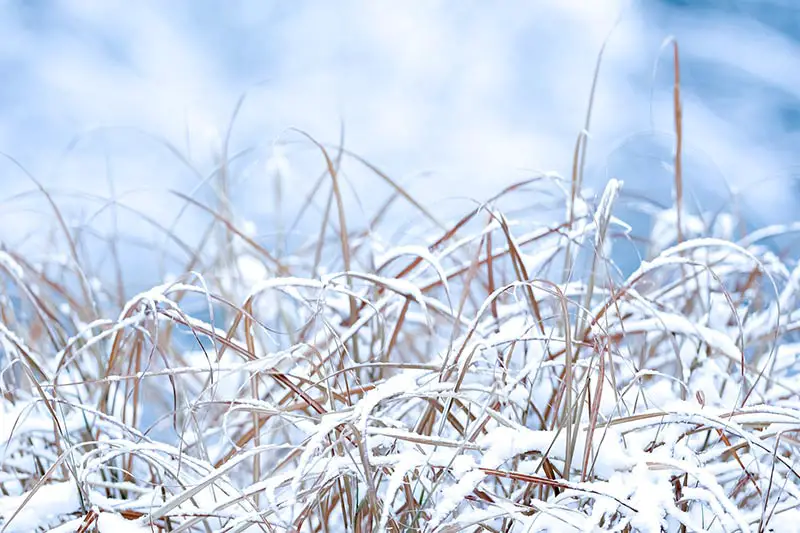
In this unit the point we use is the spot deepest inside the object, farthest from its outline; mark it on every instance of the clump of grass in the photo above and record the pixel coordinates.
(461, 381)
(444, 386)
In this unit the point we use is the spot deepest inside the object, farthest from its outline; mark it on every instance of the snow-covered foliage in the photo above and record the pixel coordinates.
(505, 373)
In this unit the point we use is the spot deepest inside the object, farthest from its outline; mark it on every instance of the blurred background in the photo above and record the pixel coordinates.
(120, 100)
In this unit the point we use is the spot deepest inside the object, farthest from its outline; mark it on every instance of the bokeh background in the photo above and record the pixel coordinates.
(452, 99)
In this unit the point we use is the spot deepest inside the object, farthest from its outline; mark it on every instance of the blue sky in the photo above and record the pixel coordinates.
(454, 99)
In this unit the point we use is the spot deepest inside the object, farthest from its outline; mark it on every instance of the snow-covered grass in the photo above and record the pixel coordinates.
(500, 372)
(503, 374)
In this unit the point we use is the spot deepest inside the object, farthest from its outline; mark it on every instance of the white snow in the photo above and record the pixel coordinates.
(38, 508)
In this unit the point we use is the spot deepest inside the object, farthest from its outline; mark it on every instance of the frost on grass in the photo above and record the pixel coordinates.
(502, 372)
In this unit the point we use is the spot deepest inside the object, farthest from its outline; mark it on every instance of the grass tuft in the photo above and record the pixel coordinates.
(503, 372)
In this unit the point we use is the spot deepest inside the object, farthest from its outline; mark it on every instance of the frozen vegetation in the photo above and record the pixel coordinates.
(536, 365)
(501, 374)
